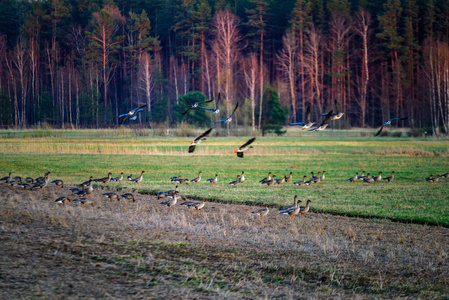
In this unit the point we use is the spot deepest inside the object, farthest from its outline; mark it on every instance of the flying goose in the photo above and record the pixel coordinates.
(132, 114)
(198, 140)
(195, 105)
(324, 124)
(388, 122)
(229, 119)
(240, 151)
(215, 110)
(306, 125)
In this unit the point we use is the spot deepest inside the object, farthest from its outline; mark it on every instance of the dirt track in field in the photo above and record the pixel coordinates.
(144, 250)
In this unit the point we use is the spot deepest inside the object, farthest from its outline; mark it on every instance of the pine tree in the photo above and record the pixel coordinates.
(105, 42)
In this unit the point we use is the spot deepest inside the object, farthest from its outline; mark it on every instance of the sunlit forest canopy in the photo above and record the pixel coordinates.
(80, 64)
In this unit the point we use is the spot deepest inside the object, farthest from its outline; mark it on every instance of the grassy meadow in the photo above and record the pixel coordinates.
(75, 155)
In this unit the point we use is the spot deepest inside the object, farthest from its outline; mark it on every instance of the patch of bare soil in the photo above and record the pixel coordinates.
(142, 249)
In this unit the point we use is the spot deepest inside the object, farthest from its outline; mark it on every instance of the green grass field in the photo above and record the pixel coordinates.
(75, 155)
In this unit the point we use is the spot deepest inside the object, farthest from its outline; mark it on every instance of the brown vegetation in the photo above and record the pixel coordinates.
(142, 249)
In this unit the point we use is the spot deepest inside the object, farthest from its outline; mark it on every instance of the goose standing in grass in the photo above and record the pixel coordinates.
(388, 122)
(235, 182)
(197, 179)
(195, 105)
(112, 196)
(240, 151)
(306, 125)
(323, 176)
(6, 179)
(132, 114)
(104, 180)
(368, 179)
(81, 200)
(324, 124)
(198, 140)
(171, 202)
(266, 178)
(445, 175)
(389, 178)
(182, 181)
(301, 182)
(41, 184)
(288, 178)
(270, 182)
(316, 179)
(58, 182)
(261, 212)
(432, 179)
(199, 205)
(128, 197)
(118, 178)
(138, 179)
(280, 181)
(174, 178)
(169, 193)
(304, 209)
(288, 207)
(86, 183)
(62, 200)
(361, 176)
(41, 179)
(291, 210)
(354, 178)
(229, 119)
(213, 180)
(378, 178)
(242, 177)
(215, 110)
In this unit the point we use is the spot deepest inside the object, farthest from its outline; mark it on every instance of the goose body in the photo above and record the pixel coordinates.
(62, 200)
(138, 179)
(132, 114)
(197, 179)
(291, 211)
(171, 202)
(118, 178)
(304, 209)
(242, 177)
(112, 196)
(128, 197)
(213, 180)
(241, 150)
(58, 182)
(266, 178)
(389, 178)
(195, 105)
(198, 140)
(235, 182)
(261, 212)
(353, 178)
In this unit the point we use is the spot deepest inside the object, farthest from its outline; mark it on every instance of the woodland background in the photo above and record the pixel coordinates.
(79, 64)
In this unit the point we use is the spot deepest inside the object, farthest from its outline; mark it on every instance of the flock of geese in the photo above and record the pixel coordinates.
(331, 115)
(80, 193)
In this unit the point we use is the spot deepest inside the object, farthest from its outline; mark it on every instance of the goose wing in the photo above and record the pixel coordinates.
(203, 134)
(249, 142)
(329, 114)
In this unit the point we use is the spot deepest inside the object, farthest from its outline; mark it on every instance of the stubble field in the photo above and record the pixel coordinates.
(142, 249)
